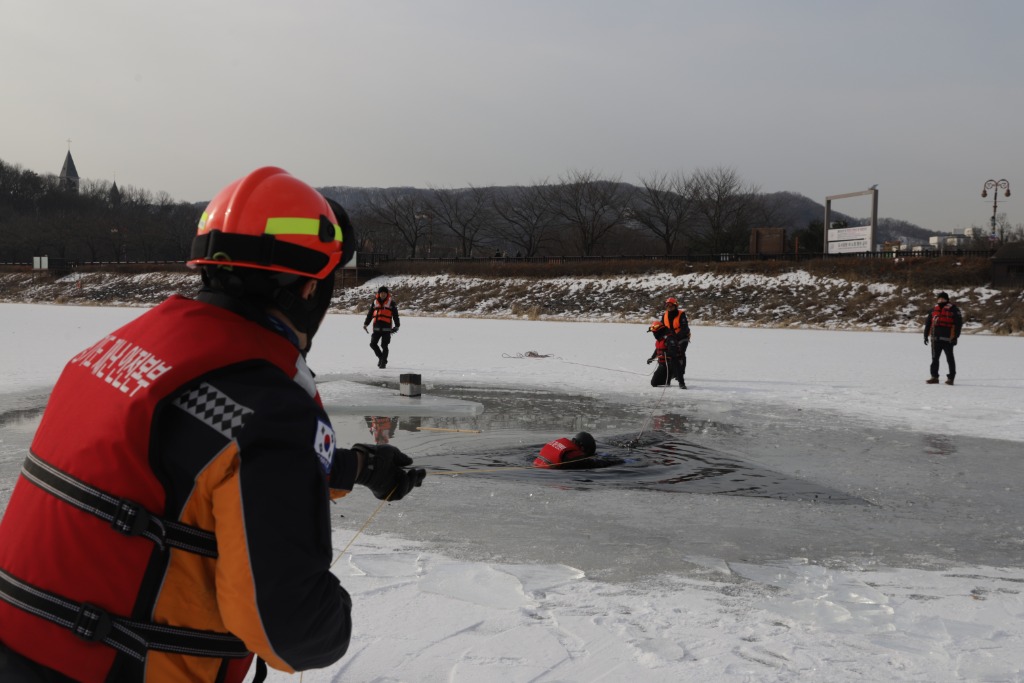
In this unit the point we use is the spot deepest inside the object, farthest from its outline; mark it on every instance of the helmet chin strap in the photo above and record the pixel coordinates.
(306, 315)
(267, 290)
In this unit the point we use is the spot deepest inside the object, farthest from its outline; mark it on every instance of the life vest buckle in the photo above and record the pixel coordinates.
(92, 623)
(131, 519)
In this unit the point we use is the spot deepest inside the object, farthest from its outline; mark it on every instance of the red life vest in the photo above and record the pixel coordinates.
(382, 312)
(97, 429)
(659, 348)
(943, 321)
(558, 452)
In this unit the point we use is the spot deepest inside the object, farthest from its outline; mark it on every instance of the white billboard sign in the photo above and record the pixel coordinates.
(858, 233)
(848, 240)
(848, 246)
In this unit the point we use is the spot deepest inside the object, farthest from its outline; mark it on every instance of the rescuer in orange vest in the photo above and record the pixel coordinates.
(676, 341)
(384, 315)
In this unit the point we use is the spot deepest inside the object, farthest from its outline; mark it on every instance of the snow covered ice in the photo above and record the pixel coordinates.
(511, 574)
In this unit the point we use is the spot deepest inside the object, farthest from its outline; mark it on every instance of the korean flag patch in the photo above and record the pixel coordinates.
(323, 444)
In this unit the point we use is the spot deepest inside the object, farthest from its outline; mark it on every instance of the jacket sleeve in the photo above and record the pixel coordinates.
(275, 589)
(958, 322)
(394, 315)
(369, 316)
(928, 324)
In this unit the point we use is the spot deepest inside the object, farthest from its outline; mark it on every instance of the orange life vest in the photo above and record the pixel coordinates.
(382, 312)
(674, 323)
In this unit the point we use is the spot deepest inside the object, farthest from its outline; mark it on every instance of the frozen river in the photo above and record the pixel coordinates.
(736, 480)
(800, 520)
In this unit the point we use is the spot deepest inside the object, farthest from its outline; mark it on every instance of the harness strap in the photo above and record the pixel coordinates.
(133, 638)
(125, 516)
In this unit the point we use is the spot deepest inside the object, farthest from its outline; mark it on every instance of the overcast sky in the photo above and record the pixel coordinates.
(922, 97)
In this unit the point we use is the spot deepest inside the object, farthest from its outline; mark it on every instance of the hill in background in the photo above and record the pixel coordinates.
(795, 212)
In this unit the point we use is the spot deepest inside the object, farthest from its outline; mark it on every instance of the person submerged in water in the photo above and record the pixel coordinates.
(578, 452)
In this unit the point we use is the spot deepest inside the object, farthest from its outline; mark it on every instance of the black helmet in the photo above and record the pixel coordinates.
(585, 441)
(943, 295)
(383, 290)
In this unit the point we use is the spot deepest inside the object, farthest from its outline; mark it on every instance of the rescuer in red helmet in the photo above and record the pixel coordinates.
(661, 376)
(186, 524)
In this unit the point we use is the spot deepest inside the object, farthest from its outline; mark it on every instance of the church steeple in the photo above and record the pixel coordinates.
(68, 173)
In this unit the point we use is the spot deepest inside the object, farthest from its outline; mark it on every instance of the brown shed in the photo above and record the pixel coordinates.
(1008, 265)
(768, 241)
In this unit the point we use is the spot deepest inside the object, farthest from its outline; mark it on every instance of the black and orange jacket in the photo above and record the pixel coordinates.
(383, 313)
(205, 419)
(944, 322)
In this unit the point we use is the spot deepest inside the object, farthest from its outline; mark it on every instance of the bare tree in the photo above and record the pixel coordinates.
(590, 207)
(662, 206)
(725, 206)
(403, 210)
(525, 218)
(463, 212)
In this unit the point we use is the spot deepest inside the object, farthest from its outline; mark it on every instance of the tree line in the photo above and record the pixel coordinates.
(40, 216)
(581, 213)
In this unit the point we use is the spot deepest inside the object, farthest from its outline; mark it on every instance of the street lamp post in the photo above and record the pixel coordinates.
(995, 186)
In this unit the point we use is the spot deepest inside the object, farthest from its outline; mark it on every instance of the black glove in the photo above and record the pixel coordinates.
(953, 342)
(926, 341)
(394, 330)
(383, 471)
(650, 360)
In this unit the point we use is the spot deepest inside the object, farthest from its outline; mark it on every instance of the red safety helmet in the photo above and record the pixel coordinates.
(655, 326)
(271, 220)
(671, 300)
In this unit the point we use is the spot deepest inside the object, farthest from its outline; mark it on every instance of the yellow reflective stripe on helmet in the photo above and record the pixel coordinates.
(297, 226)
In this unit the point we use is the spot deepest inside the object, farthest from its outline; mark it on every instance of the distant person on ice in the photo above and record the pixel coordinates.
(173, 515)
(577, 452)
(941, 330)
(384, 315)
(676, 341)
